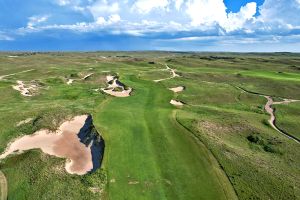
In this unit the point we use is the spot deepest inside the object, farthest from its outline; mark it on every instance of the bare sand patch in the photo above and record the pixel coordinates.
(116, 88)
(87, 76)
(177, 89)
(26, 89)
(70, 81)
(25, 121)
(176, 103)
(63, 143)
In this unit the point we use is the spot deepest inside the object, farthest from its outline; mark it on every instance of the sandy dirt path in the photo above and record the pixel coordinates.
(3, 186)
(270, 110)
(173, 74)
(4, 76)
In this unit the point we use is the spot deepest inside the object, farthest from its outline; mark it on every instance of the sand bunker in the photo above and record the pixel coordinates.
(176, 103)
(177, 89)
(173, 74)
(116, 88)
(64, 143)
(26, 89)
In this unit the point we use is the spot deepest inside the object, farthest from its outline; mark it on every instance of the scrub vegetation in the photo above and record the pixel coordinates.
(218, 145)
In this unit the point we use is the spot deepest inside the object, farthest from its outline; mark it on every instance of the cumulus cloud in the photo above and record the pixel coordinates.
(275, 13)
(236, 21)
(146, 6)
(213, 12)
(179, 3)
(101, 7)
(206, 12)
(193, 17)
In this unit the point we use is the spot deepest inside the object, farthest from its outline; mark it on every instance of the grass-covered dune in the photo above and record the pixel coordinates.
(219, 145)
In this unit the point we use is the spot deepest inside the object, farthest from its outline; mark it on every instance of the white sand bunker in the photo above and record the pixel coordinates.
(63, 143)
(176, 103)
(116, 88)
(177, 89)
(27, 90)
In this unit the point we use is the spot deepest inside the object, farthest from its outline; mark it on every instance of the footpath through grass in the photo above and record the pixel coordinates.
(155, 158)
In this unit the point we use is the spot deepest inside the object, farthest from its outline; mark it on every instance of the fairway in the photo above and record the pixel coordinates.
(155, 158)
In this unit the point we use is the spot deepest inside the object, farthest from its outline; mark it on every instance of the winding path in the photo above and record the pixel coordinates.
(2, 77)
(3, 186)
(272, 120)
(173, 74)
(270, 110)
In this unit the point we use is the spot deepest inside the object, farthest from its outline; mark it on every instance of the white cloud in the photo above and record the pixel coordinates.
(206, 12)
(237, 20)
(213, 12)
(112, 19)
(101, 7)
(35, 20)
(63, 2)
(178, 4)
(278, 13)
(146, 6)
(5, 37)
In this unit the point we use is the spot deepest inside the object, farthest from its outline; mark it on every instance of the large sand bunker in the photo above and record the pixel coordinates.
(116, 88)
(26, 90)
(75, 140)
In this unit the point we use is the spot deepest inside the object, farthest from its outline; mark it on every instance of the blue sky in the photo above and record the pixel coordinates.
(177, 25)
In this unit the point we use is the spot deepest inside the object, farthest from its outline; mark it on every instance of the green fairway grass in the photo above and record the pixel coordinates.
(155, 152)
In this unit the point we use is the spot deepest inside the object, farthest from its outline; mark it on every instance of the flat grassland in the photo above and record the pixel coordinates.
(218, 145)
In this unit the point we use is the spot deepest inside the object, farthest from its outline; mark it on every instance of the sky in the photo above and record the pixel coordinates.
(167, 25)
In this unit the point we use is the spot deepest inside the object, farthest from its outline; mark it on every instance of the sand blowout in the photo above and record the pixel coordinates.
(26, 90)
(116, 88)
(76, 140)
